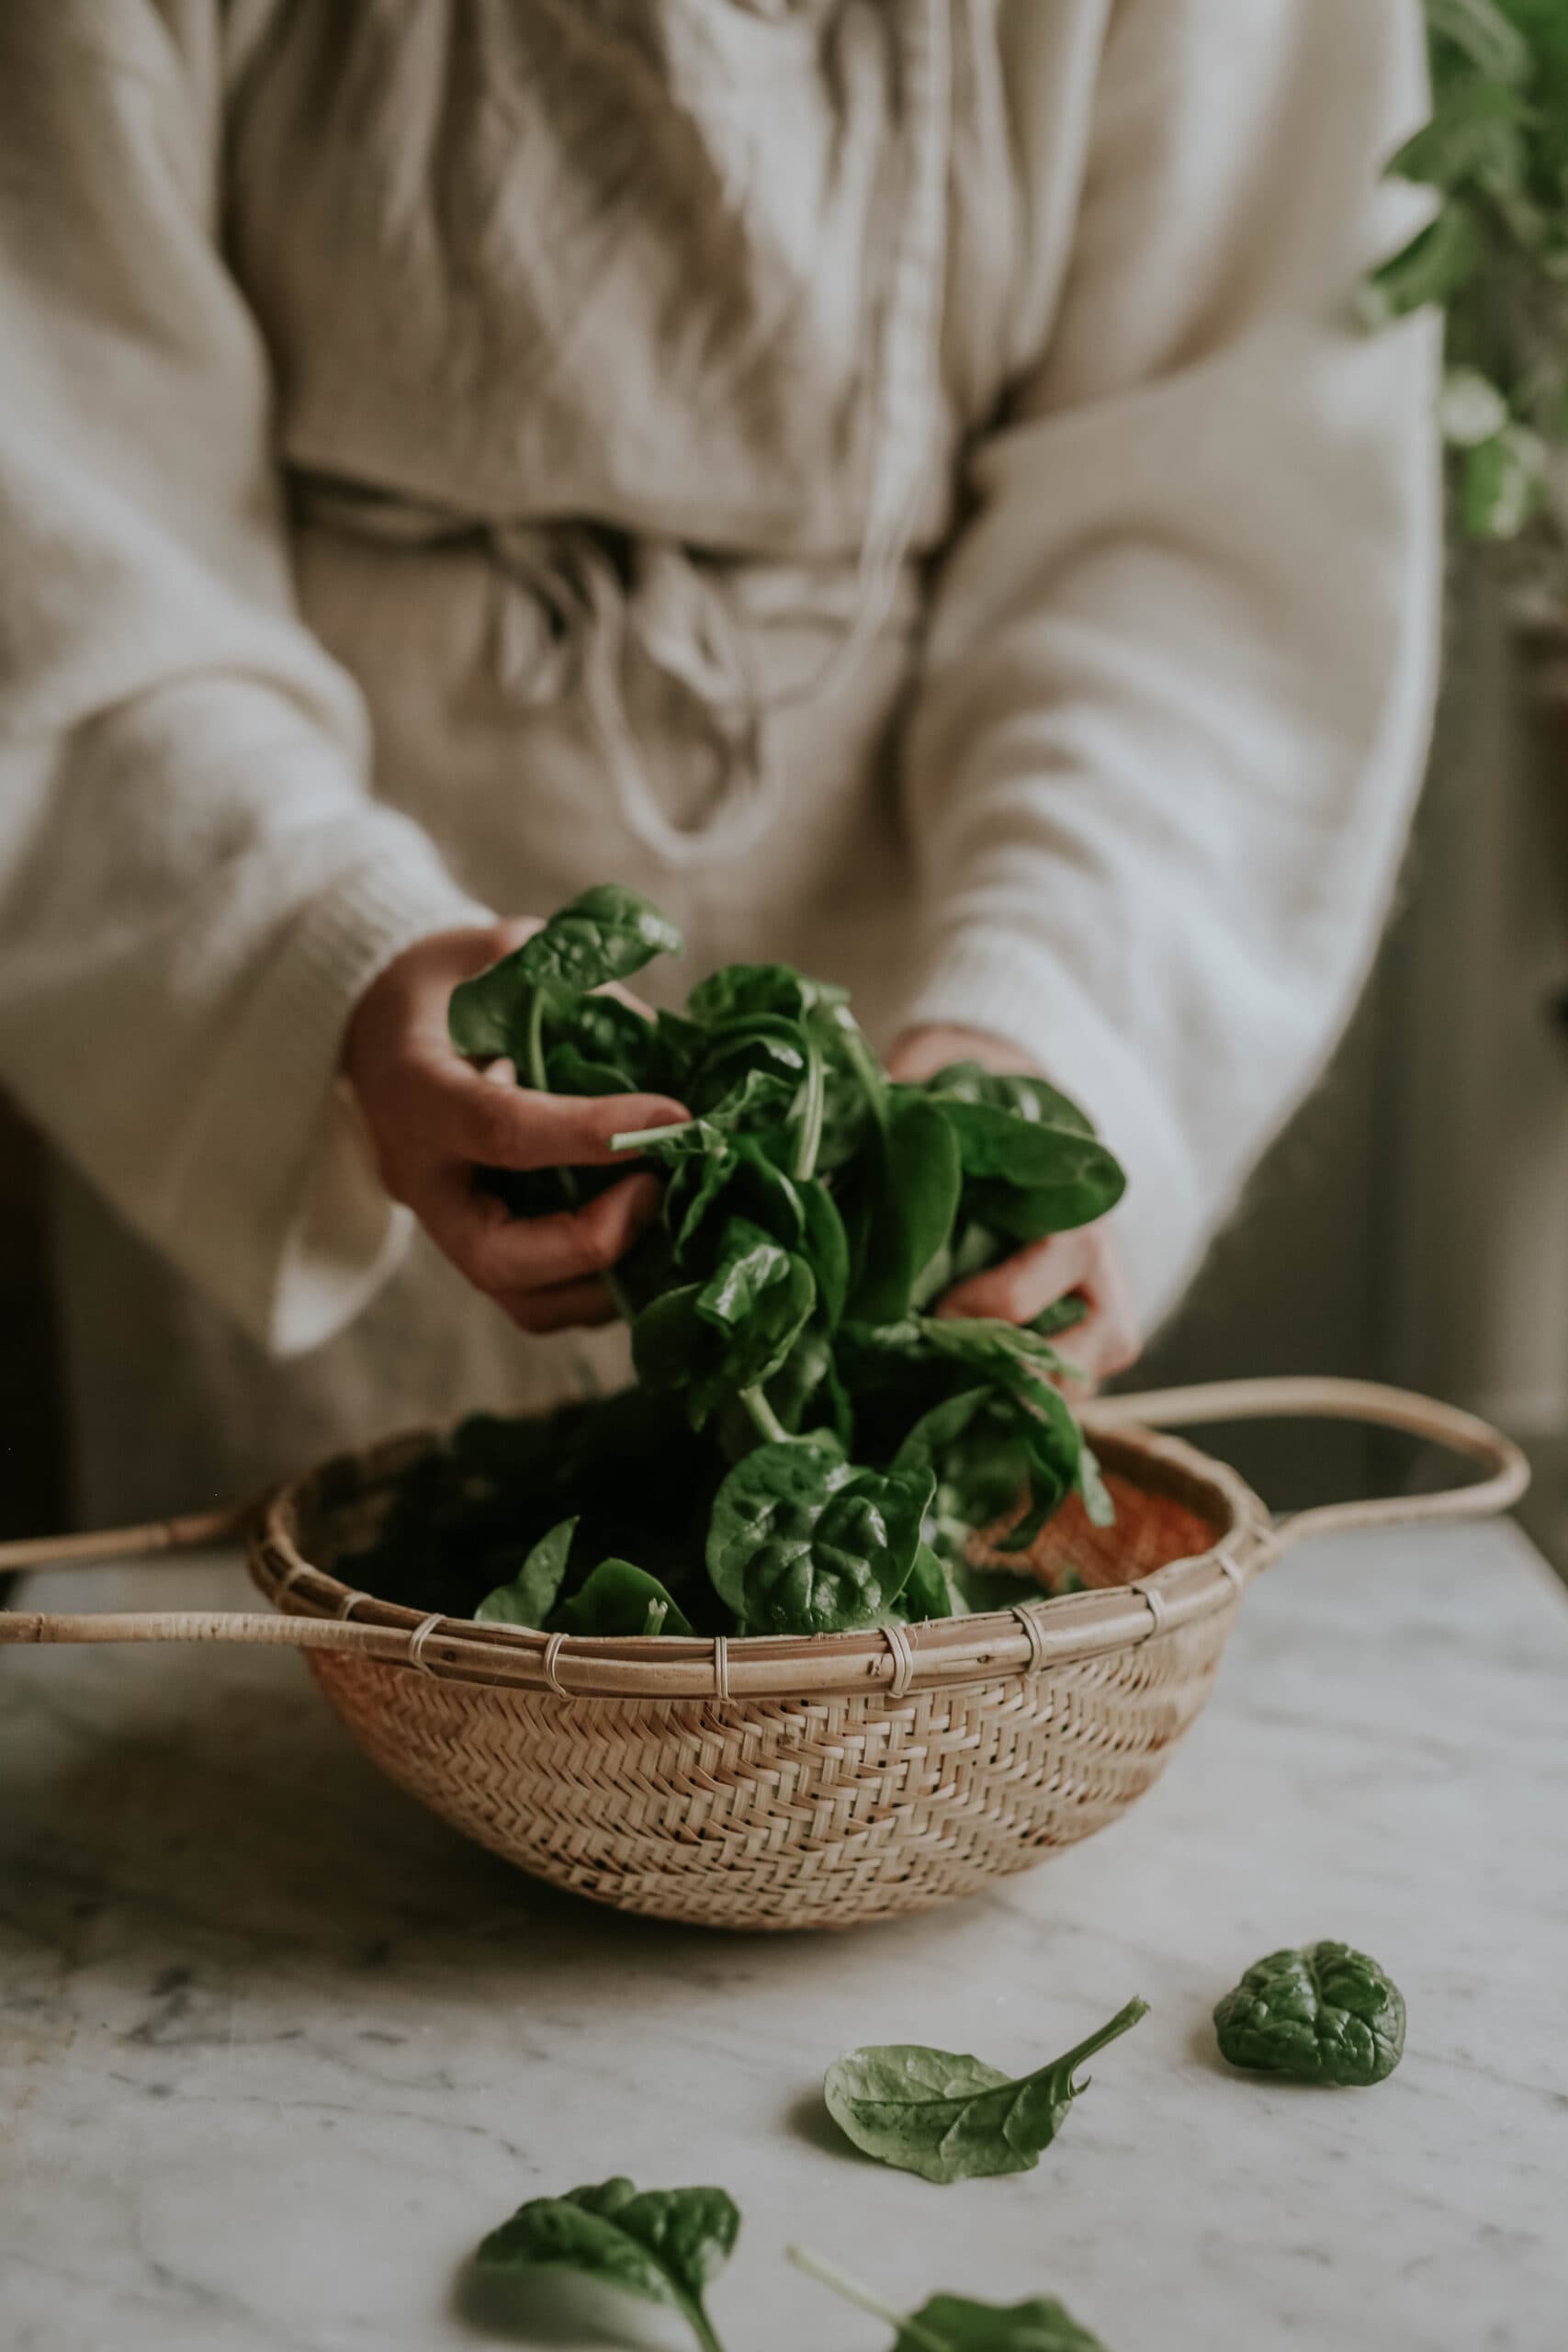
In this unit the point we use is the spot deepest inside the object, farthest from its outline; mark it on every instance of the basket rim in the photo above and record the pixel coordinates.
(941, 1652)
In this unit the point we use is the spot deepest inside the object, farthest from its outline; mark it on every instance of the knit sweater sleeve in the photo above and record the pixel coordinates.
(195, 882)
(1179, 685)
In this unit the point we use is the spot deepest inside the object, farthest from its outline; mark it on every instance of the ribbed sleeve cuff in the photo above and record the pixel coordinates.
(321, 1234)
(1008, 984)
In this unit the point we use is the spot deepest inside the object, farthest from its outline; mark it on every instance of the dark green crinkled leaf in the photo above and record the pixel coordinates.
(950, 2118)
(740, 992)
(712, 1340)
(606, 934)
(1323, 2013)
(731, 1176)
(665, 2245)
(804, 1542)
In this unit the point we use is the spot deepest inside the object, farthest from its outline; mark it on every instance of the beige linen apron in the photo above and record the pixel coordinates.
(625, 351)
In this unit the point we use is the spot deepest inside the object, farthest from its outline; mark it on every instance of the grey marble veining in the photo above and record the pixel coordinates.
(276, 2047)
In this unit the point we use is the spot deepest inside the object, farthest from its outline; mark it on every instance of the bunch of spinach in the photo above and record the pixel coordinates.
(809, 1449)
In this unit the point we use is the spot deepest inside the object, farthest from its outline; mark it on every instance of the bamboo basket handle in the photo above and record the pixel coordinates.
(106, 1547)
(105, 1544)
(1315, 1398)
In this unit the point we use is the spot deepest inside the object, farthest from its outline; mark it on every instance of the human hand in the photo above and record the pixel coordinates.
(1085, 1263)
(434, 1119)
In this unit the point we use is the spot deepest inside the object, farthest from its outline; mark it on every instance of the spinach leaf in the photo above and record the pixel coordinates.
(1024, 1097)
(601, 1033)
(663, 2245)
(1033, 1164)
(807, 1394)
(952, 2118)
(751, 1263)
(532, 1593)
(733, 1332)
(1324, 2013)
(606, 934)
(826, 1249)
(568, 1071)
(1063, 1315)
(740, 992)
(1017, 1360)
(729, 1071)
(929, 1593)
(959, 2324)
(801, 1542)
(974, 1449)
(734, 1178)
(620, 1598)
(905, 1206)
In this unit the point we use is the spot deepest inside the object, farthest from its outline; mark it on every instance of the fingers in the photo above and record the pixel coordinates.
(1083, 1264)
(510, 1126)
(459, 1113)
(568, 1306)
(513, 1258)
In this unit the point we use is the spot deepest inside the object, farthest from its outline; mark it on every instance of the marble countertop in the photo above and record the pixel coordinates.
(276, 2048)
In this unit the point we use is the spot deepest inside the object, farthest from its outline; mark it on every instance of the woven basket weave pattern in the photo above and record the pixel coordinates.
(785, 1813)
(812, 1808)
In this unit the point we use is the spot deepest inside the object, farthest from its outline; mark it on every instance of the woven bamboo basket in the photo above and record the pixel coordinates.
(802, 1782)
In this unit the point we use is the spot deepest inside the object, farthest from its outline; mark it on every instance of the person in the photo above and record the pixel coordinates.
(894, 481)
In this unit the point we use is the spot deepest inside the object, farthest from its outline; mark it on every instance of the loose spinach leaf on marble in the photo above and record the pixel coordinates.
(620, 1598)
(1322, 2013)
(665, 2245)
(949, 2117)
(959, 2322)
(801, 1542)
(530, 1595)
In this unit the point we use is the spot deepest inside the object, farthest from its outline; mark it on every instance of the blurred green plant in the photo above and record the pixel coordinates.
(1495, 255)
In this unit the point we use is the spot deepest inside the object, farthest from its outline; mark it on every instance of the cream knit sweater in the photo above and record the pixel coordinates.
(890, 478)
